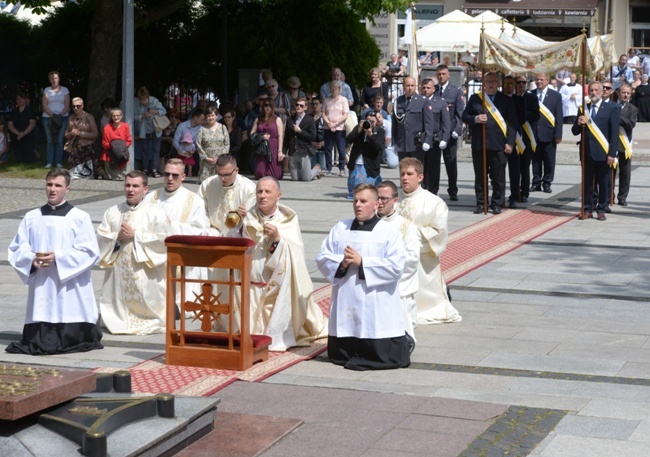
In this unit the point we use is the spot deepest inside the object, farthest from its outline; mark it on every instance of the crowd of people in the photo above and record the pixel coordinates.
(383, 262)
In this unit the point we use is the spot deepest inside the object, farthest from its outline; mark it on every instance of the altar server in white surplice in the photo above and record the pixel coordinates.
(408, 283)
(132, 250)
(281, 300)
(227, 196)
(53, 252)
(186, 211)
(429, 214)
(364, 259)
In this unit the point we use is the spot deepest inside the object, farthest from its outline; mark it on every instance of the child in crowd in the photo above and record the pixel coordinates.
(186, 152)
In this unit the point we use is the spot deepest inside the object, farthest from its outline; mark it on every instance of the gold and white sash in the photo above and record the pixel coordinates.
(547, 114)
(595, 131)
(626, 142)
(519, 144)
(496, 115)
(528, 130)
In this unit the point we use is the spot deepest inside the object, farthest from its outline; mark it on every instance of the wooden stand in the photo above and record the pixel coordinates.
(206, 347)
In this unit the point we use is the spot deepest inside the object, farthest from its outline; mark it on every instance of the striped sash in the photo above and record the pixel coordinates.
(494, 112)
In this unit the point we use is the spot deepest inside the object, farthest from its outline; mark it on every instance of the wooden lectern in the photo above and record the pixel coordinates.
(205, 347)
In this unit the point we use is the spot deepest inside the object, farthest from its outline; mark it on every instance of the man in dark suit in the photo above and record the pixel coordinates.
(513, 159)
(628, 117)
(453, 96)
(601, 142)
(528, 135)
(412, 123)
(549, 134)
(440, 134)
(500, 128)
(299, 133)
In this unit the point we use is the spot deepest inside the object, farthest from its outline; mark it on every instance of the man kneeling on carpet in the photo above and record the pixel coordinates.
(364, 259)
(53, 252)
(281, 303)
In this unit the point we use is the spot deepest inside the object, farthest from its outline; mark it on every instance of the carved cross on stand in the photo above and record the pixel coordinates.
(206, 307)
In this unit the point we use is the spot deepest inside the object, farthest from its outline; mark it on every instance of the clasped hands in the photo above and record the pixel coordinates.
(351, 257)
(126, 234)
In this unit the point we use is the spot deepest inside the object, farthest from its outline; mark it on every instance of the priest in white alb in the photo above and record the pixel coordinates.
(408, 283)
(133, 253)
(429, 214)
(186, 212)
(364, 259)
(228, 196)
(53, 252)
(282, 305)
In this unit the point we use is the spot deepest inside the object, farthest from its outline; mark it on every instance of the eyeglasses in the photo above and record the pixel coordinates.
(302, 105)
(385, 199)
(607, 87)
(508, 84)
(521, 82)
(226, 175)
(173, 175)
(77, 106)
(266, 105)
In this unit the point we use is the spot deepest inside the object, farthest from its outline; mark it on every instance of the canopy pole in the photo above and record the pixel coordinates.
(583, 62)
(484, 131)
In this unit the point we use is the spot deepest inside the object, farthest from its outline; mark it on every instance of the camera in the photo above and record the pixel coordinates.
(366, 125)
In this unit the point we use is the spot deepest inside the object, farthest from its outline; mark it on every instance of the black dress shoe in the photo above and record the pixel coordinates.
(588, 215)
(524, 199)
(622, 202)
(478, 209)
(547, 189)
(512, 204)
(536, 189)
(608, 209)
(496, 209)
(453, 198)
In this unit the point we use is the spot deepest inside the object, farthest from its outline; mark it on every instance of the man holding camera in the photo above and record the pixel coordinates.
(622, 73)
(441, 133)
(367, 141)
(412, 123)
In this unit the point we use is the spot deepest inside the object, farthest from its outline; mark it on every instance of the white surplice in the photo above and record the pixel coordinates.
(367, 308)
(409, 282)
(62, 292)
(429, 214)
(186, 211)
(220, 200)
(570, 107)
(133, 294)
(281, 301)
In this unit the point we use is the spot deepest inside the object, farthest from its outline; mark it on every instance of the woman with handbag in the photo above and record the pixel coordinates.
(211, 142)
(115, 160)
(272, 130)
(80, 135)
(147, 140)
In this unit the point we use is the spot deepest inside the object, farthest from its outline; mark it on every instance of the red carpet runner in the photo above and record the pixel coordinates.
(467, 249)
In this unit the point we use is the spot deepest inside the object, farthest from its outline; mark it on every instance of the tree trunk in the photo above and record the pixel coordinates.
(106, 48)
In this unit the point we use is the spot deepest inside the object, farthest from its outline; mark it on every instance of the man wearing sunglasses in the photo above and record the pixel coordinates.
(528, 135)
(186, 212)
(299, 134)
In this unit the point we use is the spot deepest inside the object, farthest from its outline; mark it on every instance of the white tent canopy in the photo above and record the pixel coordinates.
(460, 32)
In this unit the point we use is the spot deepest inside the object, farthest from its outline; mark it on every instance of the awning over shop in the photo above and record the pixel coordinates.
(536, 8)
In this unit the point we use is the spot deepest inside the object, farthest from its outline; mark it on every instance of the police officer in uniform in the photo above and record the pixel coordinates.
(453, 96)
(441, 132)
(412, 123)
